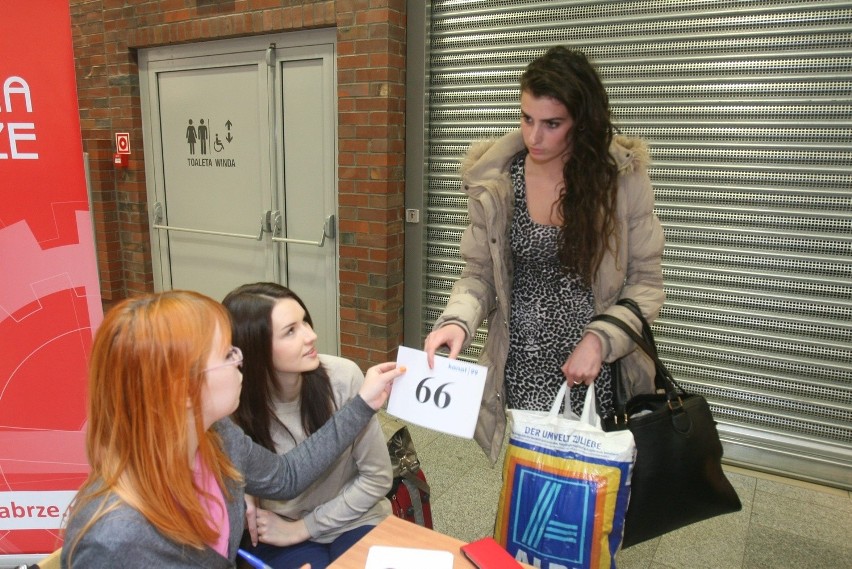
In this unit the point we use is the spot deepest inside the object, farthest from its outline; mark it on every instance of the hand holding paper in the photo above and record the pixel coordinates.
(445, 398)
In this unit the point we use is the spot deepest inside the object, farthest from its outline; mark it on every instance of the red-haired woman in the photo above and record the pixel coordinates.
(169, 467)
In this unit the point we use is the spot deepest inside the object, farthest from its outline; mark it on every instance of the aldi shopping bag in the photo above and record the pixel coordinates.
(566, 484)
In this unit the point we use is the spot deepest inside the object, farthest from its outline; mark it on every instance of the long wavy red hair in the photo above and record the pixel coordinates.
(147, 363)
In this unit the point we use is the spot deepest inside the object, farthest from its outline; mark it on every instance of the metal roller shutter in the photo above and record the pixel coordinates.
(747, 107)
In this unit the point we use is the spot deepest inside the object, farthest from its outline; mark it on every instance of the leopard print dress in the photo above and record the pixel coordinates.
(549, 311)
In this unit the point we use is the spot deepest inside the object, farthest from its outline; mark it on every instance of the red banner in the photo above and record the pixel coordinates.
(49, 294)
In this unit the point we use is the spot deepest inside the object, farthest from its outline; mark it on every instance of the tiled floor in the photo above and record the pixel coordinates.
(784, 523)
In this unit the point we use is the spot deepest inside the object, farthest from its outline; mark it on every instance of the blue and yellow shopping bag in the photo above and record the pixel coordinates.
(566, 484)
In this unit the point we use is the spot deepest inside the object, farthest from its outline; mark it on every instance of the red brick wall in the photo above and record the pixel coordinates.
(371, 139)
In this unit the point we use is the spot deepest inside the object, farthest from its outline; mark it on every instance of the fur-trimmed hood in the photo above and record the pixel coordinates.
(629, 153)
(485, 159)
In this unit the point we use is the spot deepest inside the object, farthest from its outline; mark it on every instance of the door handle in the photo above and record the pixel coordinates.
(158, 217)
(273, 225)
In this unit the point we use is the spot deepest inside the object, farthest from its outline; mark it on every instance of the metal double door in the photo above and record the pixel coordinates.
(240, 167)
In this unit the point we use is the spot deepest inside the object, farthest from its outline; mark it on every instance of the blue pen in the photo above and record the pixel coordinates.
(253, 561)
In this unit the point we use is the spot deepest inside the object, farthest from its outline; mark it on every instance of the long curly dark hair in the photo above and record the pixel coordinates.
(250, 307)
(588, 198)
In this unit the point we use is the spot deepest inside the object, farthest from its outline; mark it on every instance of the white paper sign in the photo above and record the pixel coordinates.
(383, 557)
(446, 398)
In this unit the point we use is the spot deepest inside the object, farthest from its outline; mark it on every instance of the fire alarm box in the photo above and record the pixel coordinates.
(122, 146)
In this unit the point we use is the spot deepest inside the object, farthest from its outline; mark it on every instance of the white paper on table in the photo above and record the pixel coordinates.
(383, 557)
(446, 398)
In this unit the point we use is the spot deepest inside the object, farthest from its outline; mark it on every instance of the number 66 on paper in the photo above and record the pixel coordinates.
(445, 398)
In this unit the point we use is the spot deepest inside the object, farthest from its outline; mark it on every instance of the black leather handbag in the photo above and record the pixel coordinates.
(677, 478)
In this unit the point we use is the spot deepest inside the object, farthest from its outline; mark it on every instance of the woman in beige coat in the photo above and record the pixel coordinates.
(561, 227)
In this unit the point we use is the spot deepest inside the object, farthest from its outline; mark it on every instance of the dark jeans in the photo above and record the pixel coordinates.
(319, 555)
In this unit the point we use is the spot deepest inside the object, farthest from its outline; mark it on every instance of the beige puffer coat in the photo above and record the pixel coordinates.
(484, 288)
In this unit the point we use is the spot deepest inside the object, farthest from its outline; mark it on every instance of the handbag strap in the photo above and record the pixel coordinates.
(645, 342)
(647, 333)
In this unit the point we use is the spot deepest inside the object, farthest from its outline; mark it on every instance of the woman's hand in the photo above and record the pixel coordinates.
(251, 518)
(450, 335)
(584, 363)
(275, 530)
(377, 383)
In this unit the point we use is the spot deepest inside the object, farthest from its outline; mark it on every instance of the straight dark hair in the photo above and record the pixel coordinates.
(588, 199)
(250, 307)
